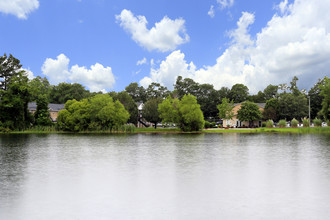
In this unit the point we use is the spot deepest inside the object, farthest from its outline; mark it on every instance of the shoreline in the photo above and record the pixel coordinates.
(314, 130)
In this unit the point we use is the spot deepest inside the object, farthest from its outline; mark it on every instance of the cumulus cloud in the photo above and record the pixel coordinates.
(169, 69)
(294, 42)
(19, 8)
(166, 35)
(96, 78)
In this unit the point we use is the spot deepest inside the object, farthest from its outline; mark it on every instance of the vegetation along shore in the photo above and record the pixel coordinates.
(35, 106)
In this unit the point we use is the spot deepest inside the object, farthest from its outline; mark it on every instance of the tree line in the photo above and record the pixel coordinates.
(282, 101)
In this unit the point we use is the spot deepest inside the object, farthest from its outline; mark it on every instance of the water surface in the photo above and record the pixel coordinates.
(165, 176)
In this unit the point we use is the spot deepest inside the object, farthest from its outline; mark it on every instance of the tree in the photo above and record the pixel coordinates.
(155, 90)
(150, 111)
(250, 112)
(9, 68)
(128, 103)
(239, 93)
(294, 88)
(258, 98)
(271, 91)
(185, 113)
(99, 112)
(206, 95)
(185, 86)
(67, 91)
(42, 115)
(316, 98)
(325, 92)
(271, 110)
(138, 93)
(39, 86)
(14, 94)
(292, 106)
(225, 109)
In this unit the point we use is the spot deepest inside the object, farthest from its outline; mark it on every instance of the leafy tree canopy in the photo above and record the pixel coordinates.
(239, 93)
(186, 113)
(250, 112)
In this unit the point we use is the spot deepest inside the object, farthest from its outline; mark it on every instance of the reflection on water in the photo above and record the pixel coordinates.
(165, 176)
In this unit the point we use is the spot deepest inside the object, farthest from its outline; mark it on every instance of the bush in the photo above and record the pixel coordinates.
(213, 125)
(328, 123)
(294, 123)
(306, 123)
(263, 124)
(4, 130)
(282, 123)
(317, 122)
(269, 124)
(207, 124)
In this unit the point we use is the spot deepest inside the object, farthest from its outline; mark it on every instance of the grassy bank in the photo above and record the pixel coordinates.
(50, 130)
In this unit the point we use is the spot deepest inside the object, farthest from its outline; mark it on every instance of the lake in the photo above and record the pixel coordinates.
(165, 176)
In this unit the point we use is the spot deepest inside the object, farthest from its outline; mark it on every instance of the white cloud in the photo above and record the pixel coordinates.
(295, 42)
(169, 69)
(96, 78)
(29, 74)
(56, 70)
(141, 62)
(166, 35)
(19, 8)
(225, 3)
(211, 12)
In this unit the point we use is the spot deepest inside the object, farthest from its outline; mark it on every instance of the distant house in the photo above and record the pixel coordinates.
(53, 109)
(234, 122)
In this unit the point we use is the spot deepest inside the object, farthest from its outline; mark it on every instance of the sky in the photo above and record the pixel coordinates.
(107, 44)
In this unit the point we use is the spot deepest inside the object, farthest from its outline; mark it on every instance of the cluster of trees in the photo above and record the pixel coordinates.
(99, 112)
(282, 101)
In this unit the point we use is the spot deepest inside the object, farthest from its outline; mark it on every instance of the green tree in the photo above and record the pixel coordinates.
(271, 91)
(225, 109)
(155, 90)
(250, 112)
(42, 115)
(325, 92)
(239, 93)
(292, 106)
(316, 98)
(185, 113)
(186, 86)
(138, 93)
(271, 111)
(258, 98)
(150, 111)
(14, 94)
(10, 68)
(39, 86)
(128, 103)
(99, 112)
(67, 91)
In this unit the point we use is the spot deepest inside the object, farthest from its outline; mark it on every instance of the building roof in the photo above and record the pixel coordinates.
(32, 106)
(261, 105)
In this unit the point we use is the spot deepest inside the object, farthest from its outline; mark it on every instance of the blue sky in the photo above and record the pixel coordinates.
(106, 45)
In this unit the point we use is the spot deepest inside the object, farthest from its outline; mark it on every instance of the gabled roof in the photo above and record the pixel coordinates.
(32, 106)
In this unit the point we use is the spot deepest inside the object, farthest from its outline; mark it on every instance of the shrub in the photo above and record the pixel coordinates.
(282, 123)
(306, 123)
(269, 124)
(294, 123)
(207, 124)
(317, 122)
(213, 125)
(263, 124)
(328, 123)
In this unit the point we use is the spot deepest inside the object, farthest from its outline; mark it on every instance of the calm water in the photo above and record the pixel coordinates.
(165, 176)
